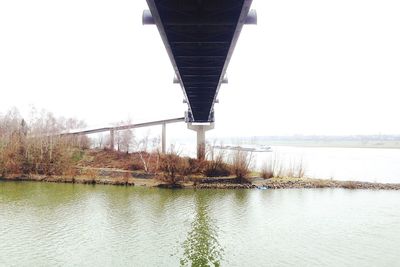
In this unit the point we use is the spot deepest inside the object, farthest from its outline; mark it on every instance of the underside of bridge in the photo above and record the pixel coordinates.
(200, 36)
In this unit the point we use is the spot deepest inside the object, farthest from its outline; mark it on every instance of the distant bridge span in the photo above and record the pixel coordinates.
(113, 129)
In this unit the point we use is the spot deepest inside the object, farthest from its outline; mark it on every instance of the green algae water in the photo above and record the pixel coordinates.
(43, 224)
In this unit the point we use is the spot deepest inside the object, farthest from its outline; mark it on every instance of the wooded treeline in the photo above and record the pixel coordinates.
(35, 146)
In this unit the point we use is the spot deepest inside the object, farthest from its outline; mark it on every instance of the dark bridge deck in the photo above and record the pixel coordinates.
(200, 36)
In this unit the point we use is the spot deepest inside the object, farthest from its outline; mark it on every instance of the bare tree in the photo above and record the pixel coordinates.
(35, 145)
(100, 141)
(127, 140)
(148, 149)
(124, 139)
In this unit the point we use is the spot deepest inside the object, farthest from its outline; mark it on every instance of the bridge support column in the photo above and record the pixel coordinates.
(112, 139)
(201, 137)
(164, 138)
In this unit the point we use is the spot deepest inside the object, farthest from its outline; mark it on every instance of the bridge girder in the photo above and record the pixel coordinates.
(199, 36)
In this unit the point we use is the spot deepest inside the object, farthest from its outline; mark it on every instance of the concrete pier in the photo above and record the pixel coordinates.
(112, 139)
(164, 138)
(201, 137)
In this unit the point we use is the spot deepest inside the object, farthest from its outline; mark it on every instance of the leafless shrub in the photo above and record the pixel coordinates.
(241, 164)
(216, 165)
(195, 166)
(136, 163)
(172, 165)
(266, 171)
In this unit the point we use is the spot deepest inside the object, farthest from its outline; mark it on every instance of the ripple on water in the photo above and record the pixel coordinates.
(56, 224)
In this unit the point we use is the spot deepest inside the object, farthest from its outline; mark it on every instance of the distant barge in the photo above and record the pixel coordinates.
(262, 148)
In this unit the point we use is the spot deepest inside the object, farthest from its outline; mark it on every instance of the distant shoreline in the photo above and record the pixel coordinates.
(334, 145)
(337, 143)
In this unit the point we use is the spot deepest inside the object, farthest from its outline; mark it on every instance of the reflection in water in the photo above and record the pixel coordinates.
(201, 247)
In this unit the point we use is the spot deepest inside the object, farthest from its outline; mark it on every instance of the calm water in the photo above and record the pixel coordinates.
(45, 224)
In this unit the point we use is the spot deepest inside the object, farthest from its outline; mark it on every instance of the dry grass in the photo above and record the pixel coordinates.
(317, 183)
(277, 167)
(105, 158)
(266, 173)
(350, 185)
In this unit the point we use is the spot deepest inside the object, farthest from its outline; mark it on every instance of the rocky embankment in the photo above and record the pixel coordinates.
(280, 183)
(73, 180)
(128, 178)
(223, 186)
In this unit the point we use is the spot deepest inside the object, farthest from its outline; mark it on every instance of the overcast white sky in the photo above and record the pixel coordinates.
(309, 67)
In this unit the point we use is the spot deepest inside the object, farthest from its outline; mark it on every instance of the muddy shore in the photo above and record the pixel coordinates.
(127, 178)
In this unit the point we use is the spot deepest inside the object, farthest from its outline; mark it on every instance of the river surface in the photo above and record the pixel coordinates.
(44, 224)
(354, 164)
(357, 164)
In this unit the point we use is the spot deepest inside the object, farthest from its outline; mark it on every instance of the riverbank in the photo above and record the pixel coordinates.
(172, 171)
(105, 176)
